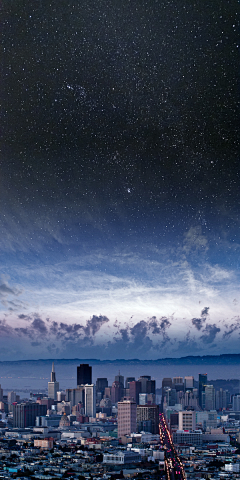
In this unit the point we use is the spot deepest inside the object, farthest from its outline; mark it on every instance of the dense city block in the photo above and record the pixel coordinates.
(186, 428)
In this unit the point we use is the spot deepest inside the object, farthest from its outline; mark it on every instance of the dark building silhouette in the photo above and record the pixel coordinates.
(84, 374)
(120, 378)
(116, 392)
(101, 384)
(202, 382)
(24, 414)
(166, 382)
(151, 386)
(134, 390)
(128, 380)
(143, 380)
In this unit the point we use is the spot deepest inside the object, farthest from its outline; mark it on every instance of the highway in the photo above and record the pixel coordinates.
(173, 465)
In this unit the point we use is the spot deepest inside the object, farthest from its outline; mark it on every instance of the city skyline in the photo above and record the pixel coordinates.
(119, 183)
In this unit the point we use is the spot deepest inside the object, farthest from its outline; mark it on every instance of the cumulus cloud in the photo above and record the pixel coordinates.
(94, 324)
(39, 326)
(199, 322)
(231, 328)
(209, 333)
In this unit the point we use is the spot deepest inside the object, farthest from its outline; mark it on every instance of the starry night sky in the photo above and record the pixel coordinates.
(119, 179)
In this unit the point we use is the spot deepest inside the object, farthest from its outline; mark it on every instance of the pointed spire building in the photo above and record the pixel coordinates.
(53, 385)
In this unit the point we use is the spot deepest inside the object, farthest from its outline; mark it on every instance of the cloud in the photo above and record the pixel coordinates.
(94, 324)
(231, 328)
(5, 329)
(199, 322)
(24, 317)
(204, 312)
(209, 333)
(39, 326)
(5, 289)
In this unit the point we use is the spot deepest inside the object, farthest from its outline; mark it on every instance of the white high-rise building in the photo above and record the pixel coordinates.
(53, 385)
(90, 400)
(186, 420)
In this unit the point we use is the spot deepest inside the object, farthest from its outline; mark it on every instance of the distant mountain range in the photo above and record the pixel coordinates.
(224, 359)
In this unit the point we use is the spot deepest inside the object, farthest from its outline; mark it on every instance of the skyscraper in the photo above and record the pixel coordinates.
(148, 418)
(53, 385)
(119, 378)
(189, 382)
(143, 379)
(128, 380)
(24, 414)
(116, 392)
(210, 399)
(126, 417)
(75, 395)
(166, 382)
(202, 381)
(90, 400)
(84, 374)
(135, 390)
(101, 384)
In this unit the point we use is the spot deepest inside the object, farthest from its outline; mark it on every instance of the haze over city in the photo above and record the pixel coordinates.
(119, 182)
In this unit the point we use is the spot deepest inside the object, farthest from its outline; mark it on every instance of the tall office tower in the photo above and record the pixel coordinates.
(116, 392)
(177, 380)
(1, 394)
(148, 418)
(127, 415)
(128, 380)
(24, 414)
(222, 399)
(169, 397)
(134, 391)
(166, 382)
(101, 384)
(11, 397)
(84, 374)
(143, 380)
(236, 403)
(75, 395)
(210, 399)
(186, 420)
(151, 386)
(120, 378)
(90, 400)
(188, 382)
(202, 381)
(53, 385)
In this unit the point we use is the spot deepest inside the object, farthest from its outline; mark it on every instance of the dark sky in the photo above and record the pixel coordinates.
(119, 182)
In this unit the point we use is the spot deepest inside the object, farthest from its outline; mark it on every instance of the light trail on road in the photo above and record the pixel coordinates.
(173, 465)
